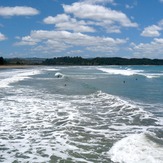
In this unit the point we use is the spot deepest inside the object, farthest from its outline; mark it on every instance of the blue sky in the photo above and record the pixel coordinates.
(87, 28)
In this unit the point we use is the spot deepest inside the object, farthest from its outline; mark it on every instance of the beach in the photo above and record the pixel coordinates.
(15, 66)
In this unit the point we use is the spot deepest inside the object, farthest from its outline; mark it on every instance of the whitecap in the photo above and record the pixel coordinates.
(152, 75)
(136, 148)
(126, 72)
(52, 69)
(59, 75)
(17, 76)
(129, 72)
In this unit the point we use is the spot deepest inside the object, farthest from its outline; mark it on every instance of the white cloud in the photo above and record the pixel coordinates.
(58, 19)
(27, 40)
(99, 14)
(161, 1)
(2, 37)
(51, 46)
(74, 26)
(151, 31)
(18, 11)
(87, 15)
(159, 40)
(65, 22)
(154, 49)
(99, 1)
(110, 28)
(47, 41)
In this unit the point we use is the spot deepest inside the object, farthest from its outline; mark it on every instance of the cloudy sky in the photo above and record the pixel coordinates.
(87, 28)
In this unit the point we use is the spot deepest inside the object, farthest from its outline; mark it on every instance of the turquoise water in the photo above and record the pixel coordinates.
(95, 114)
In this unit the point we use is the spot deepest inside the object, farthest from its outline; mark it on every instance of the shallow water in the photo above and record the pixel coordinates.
(90, 114)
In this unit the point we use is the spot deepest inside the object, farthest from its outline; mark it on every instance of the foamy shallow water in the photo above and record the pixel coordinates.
(44, 120)
(137, 148)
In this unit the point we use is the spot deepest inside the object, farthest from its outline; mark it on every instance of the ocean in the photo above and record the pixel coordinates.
(81, 114)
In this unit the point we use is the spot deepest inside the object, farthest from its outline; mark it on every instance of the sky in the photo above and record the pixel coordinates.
(86, 28)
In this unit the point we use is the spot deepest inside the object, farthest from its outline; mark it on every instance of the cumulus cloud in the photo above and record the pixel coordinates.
(71, 27)
(18, 11)
(27, 40)
(152, 49)
(62, 40)
(99, 13)
(2, 37)
(151, 31)
(65, 22)
(58, 19)
(87, 15)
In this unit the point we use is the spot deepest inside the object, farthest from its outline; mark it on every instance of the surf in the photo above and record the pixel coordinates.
(137, 148)
(43, 120)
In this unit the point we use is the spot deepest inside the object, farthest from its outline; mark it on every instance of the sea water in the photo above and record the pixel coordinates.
(97, 114)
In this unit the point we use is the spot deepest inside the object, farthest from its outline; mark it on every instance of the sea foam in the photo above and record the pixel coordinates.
(16, 76)
(129, 72)
(136, 148)
(126, 72)
(38, 125)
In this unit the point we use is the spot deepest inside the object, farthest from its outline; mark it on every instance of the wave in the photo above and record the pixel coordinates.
(153, 75)
(39, 126)
(15, 76)
(59, 75)
(137, 148)
(52, 69)
(130, 72)
(126, 72)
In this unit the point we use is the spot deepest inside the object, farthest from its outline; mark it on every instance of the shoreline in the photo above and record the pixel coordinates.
(15, 66)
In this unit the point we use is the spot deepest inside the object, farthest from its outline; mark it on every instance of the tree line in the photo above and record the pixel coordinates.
(2, 61)
(101, 61)
(81, 61)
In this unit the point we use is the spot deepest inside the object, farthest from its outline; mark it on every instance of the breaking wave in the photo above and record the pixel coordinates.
(37, 126)
(144, 148)
(46, 125)
(15, 76)
(129, 72)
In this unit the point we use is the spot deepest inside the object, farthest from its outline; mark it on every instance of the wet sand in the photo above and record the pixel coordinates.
(15, 66)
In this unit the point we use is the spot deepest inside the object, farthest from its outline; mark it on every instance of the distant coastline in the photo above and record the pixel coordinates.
(14, 66)
(70, 61)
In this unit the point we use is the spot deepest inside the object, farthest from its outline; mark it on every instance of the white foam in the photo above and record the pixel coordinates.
(94, 76)
(135, 149)
(59, 75)
(152, 75)
(126, 72)
(32, 118)
(129, 72)
(52, 69)
(17, 76)
(62, 126)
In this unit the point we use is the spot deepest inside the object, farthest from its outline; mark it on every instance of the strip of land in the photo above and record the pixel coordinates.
(15, 66)
(23, 62)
